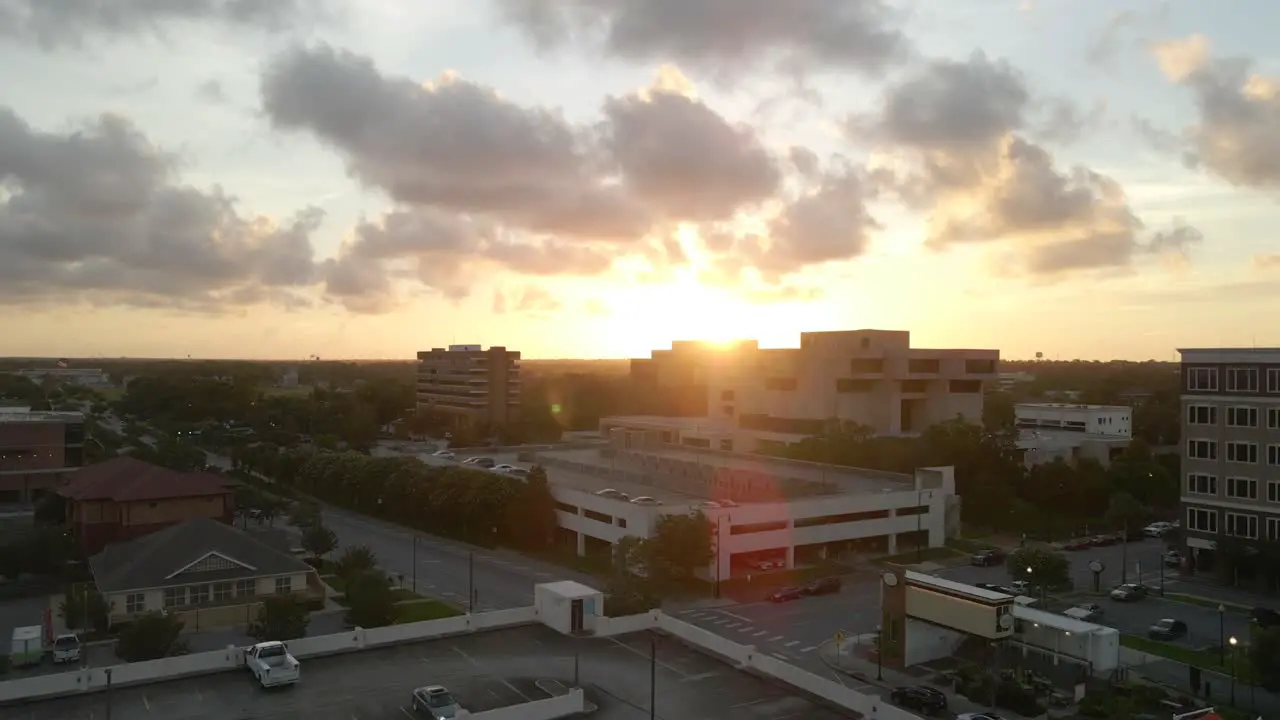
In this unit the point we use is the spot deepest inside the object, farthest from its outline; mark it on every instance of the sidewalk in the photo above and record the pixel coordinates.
(845, 659)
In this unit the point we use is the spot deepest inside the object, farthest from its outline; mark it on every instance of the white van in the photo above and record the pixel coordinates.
(28, 646)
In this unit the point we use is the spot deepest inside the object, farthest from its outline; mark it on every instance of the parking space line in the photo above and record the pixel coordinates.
(780, 656)
(407, 713)
(775, 638)
(465, 656)
(737, 617)
(762, 632)
(145, 702)
(645, 655)
(514, 689)
(746, 628)
(793, 642)
(811, 648)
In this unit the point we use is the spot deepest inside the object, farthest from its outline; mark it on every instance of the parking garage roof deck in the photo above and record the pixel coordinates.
(846, 479)
(484, 671)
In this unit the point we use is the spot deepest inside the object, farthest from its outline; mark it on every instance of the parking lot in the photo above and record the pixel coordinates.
(484, 671)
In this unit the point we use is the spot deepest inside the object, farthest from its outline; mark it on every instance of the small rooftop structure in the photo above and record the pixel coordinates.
(957, 589)
(21, 414)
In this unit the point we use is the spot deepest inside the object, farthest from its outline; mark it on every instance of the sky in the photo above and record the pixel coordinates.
(284, 179)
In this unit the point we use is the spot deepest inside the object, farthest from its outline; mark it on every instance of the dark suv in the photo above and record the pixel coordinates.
(987, 558)
(919, 697)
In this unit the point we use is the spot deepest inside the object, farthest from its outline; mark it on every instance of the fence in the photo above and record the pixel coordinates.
(171, 668)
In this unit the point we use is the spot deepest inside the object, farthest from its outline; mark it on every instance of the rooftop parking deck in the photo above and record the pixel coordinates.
(484, 671)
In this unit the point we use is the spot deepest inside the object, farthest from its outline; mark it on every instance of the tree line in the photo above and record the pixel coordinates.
(1048, 501)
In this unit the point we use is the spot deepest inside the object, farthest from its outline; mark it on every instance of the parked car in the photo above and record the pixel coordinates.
(484, 462)
(446, 454)
(786, 594)
(1088, 612)
(271, 664)
(824, 586)
(1167, 629)
(1104, 540)
(611, 493)
(1157, 529)
(987, 558)
(435, 702)
(1020, 587)
(1129, 592)
(919, 697)
(1076, 544)
(978, 716)
(66, 648)
(1173, 559)
(1264, 617)
(645, 500)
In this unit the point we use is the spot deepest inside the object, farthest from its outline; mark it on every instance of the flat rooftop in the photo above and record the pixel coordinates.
(484, 671)
(26, 415)
(1069, 406)
(1029, 438)
(846, 479)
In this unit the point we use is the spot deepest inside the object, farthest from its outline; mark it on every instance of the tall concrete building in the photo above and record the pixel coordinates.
(1230, 447)
(755, 397)
(38, 451)
(470, 385)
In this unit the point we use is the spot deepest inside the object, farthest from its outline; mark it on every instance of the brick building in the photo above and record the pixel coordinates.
(125, 498)
(38, 452)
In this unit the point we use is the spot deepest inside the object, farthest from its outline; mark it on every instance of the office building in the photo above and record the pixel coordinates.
(1230, 448)
(469, 385)
(38, 451)
(744, 398)
(1071, 432)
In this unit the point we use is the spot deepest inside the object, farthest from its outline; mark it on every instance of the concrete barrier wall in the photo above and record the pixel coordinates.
(150, 671)
(739, 654)
(556, 707)
(607, 626)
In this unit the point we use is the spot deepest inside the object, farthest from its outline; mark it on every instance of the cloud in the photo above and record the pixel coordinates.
(1267, 261)
(536, 300)
(682, 158)
(1237, 135)
(963, 126)
(445, 253)
(450, 144)
(60, 23)
(724, 37)
(99, 215)
(211, 91)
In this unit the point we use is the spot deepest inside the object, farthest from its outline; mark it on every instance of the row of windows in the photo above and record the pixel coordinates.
(1241, 525)
(1237, 451)
(175, 597)
(1240, 488)
(1237, 379)
(1237, 416)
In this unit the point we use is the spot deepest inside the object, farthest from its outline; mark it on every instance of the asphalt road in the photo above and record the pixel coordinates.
(484, 671)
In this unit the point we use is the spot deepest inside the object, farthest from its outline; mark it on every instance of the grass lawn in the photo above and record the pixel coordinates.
(419, 610)
(912, 557)
(1204, 659)
(968, 546)
(1207, 602)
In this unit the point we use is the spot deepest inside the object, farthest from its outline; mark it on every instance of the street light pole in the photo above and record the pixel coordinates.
(471, 583)
(415, 561)
(1222, 646)
(1233, 670)
(653, 678)
(919, 522)
(1124, 555)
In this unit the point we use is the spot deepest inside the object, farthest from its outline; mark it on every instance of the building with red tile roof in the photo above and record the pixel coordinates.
(125, 498)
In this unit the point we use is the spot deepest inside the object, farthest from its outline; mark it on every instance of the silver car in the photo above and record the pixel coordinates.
(434, 701)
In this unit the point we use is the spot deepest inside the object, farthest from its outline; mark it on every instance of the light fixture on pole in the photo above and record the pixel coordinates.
(1222, 627)
(1233, 642)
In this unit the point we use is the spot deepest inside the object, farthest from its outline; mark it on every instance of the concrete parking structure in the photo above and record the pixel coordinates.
(484, 671)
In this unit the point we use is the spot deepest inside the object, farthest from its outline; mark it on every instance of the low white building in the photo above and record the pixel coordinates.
(1048, 431)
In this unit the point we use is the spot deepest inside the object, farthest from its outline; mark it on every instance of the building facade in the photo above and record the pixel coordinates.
(38, 452)
(1072, 432)
(872, 378)
(470, 385)
(1230, 448)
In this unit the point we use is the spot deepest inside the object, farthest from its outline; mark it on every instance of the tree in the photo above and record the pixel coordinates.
(531, 518)
(370, 602)
(82, 607)
(280, 617)
(150, 637)
(355, 560)
(679, 545)
(319, 540)
(51, 509)
(1040, 566)
(304, 514)
(1124, 511)
(1264, 657)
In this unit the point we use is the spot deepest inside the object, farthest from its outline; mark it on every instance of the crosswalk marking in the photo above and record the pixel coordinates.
(775, 638)
(793, 642)
(762, 632)
(811, 648)
(746, 628)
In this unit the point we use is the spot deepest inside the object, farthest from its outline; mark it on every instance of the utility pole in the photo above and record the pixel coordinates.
(653, 678)
(108, 672)
(919, 521)
(415, 561)
(471, 583)
(1124, 555)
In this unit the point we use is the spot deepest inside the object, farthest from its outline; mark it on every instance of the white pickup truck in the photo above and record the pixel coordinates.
(271, 664)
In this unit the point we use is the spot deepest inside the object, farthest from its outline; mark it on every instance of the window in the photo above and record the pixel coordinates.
(221, 591)
(1242, 379)
(1201, 484)
(968, 387)
(174, 597)
(866, 365)
(135, 603)
(849, 385)
(1273, 380)
(922, 366)
(1243, 526)
(979, 367)
(1202, 449)
(1242, 488)
(726, 395)
(1202, 520)
(1273, 528)
(1242, 417)
(1273, 491)
(1202, 415)
(1202, 378)
(1273, 454)
(199, 595)
(284, 585)
(245, 588)
(783, 384)
(1273, 418)
(1242, 452)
